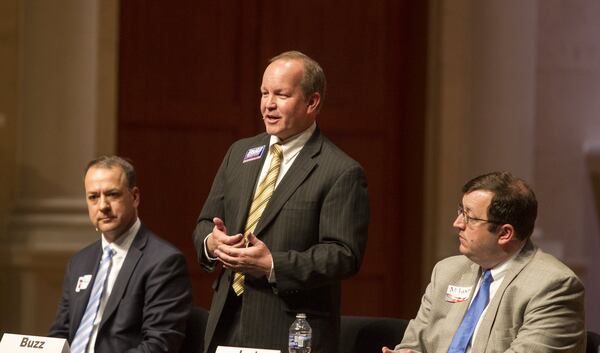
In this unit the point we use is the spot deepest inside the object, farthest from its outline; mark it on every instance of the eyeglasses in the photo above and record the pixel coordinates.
(468, 219)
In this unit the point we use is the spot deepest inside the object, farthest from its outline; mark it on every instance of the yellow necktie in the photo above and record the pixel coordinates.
(261, 199)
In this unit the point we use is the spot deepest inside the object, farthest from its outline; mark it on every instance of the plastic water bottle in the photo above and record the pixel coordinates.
(300, 335)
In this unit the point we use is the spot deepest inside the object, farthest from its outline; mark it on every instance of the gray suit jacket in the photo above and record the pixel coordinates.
(315, 226)
(149, 303)
(539, 307)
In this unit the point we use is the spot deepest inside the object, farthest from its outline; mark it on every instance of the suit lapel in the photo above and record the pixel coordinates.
(485, 328)
(129, 264)
(457, 310)
(89, 267)
(248, 175)
(298, 172)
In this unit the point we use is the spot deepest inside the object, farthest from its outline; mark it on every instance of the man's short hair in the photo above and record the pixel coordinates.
(513, 202)
(115, 161)
(313, 79)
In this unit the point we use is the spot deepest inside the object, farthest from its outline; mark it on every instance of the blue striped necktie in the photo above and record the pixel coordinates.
(82, 337)
(463, 335)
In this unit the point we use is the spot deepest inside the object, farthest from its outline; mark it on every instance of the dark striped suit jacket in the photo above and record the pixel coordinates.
(315, 226)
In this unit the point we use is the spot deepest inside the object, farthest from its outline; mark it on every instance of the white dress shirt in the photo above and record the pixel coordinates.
(121, 247)
(290, 150)
(498, 273)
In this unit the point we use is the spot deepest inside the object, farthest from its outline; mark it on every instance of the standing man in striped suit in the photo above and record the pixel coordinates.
(287, 218)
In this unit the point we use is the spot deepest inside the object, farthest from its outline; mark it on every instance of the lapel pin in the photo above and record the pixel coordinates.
(254, 154)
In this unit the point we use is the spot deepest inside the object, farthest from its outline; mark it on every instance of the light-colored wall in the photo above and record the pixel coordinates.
(568, 119)
(515, 86)
(58, 112)
(481, 105)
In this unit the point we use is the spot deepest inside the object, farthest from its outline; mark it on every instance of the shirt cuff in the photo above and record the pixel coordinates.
(271, 277)
(206, 250)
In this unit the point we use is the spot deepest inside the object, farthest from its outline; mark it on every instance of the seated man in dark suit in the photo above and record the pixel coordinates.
(503, 294)
(130, 290)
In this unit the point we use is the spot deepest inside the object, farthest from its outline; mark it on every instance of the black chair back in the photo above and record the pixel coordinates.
(366, 334)
(194, 332)
(593, 342)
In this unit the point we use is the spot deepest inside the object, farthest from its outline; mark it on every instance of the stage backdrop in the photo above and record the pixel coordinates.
(189, 77)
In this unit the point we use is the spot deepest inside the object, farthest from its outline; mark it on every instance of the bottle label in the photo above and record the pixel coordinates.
(299, 341)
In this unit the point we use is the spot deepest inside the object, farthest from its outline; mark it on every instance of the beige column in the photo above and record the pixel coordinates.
(482, 101)
(65, 116)
(568, 139)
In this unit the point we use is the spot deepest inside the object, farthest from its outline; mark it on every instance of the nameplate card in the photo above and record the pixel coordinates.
(13, 343)
(226, 349)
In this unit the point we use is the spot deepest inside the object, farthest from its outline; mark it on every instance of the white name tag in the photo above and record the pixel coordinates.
(225, 349)
(82, 283)
(12, 343)
(456, 294)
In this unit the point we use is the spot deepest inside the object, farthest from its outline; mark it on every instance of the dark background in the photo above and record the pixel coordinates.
(189, 77)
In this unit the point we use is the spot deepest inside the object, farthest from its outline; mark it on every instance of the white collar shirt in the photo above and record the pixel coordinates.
(290, 150)
(120, 247)
(498, 273)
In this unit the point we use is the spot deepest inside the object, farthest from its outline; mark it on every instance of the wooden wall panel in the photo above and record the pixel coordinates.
(189, 86)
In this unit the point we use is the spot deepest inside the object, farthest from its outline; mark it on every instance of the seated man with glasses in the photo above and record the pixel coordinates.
(503, 293)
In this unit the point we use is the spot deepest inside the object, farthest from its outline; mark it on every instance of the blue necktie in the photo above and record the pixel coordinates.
(463, 335)
(82, 337)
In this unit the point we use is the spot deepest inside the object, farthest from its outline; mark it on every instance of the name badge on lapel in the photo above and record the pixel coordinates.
(82, 283)
(456, 294)
(254, 154)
